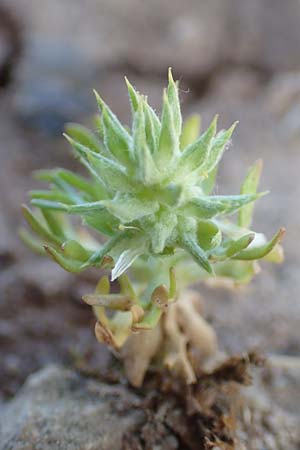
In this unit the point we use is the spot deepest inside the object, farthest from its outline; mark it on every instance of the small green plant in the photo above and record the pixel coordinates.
(149, 195)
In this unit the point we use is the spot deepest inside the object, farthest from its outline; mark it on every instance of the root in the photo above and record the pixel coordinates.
(182, 329)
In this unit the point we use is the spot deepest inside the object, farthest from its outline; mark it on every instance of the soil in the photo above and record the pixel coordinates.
(42, 317)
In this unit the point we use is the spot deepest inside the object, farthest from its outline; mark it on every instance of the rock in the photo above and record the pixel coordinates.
(58, 410)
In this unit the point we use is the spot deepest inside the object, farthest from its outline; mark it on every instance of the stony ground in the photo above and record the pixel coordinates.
(248, 69)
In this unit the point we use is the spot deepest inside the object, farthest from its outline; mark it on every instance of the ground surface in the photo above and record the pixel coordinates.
(42, 319)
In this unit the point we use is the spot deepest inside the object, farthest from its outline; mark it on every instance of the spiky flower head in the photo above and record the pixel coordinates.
(149, 193)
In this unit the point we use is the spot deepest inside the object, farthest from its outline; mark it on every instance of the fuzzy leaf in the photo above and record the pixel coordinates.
(84, 136)
(173, 97)
(217, 148)
(212, 206)
(134, 96)
(103, 222)
(110, 247)
(190, 245)
(195, 155)
(249, 187)
(190, 131)
(129, 208)
(116, 138)
(111, 173)
(152, 128)
(146, 169)
(168, 146)
(71, 209)
(166, 221)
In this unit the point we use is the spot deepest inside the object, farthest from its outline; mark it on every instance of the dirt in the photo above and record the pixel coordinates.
(42, 317)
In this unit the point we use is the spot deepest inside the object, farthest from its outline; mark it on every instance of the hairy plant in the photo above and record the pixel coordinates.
(149, 194)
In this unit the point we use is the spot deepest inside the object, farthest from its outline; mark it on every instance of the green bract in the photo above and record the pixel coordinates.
(149, 193)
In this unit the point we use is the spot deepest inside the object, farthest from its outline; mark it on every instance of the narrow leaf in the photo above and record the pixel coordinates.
(212, 206)
(133, 96)
(165, 223)
(191, 246)
(249, 187)
(261, 251)
(152, 128)
(116, 138)
(190, 131)
(84, 136)
(74, 250)
(195, 155)
(70, 265)
(147, 171)
(168, 146)
(173, 97)
(231, 247)
(38, 227)
(218, 146)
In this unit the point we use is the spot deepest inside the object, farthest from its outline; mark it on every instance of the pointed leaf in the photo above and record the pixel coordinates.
(74, 250)
(84, 136)
(34, 244)
(38, 227)
(218, 146)
(152, 128)
(231, 247)
(69, 264)
(55, 195)
(190, 245)
(56, 224)
(125, 260)
(134, 96)
(173, 97)
(146, 169)
(258, 252)
(111, 173)
(166, 221)
(212, 206)
(116, 138)
(168, 146)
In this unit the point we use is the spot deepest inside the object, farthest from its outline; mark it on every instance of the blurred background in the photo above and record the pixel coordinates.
(238, 58)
